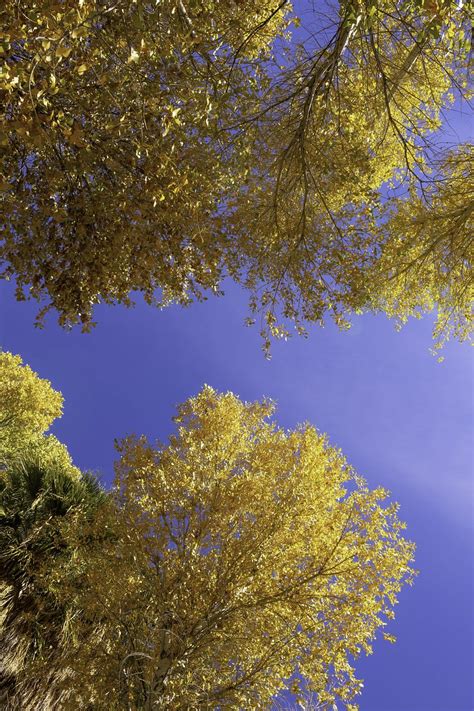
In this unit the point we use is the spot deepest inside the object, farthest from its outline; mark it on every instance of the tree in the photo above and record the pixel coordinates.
(28, 407)
(112, 167)
(239, 555)
(346, 138)
(33, 499)
(38, 486)
(158, 148)
(434, 266)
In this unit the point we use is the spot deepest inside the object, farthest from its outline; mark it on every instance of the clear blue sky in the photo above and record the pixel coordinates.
(402, 419)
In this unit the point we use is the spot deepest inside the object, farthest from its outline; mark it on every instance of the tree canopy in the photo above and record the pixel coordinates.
(112, 169)
(239, 558)
(158, 147)
(28, 407)
(221, 569)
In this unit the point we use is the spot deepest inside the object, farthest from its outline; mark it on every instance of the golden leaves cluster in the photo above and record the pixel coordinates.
(28, 407)
(427, 254)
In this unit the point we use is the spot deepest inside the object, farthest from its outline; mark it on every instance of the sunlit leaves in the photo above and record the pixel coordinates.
(234, 556)
(352, 139)
(428, 250)
(161, 147)
(112, 171)
(28, 406)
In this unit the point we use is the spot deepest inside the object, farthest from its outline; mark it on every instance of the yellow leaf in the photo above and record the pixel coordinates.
(63, 51)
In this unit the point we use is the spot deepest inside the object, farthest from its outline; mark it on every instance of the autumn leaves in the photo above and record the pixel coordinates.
(215, 568)
(160, 148)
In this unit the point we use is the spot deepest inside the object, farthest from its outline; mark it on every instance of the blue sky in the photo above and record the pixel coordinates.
(402, 419)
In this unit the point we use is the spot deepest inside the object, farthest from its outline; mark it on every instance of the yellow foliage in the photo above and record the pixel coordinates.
(28, 407)
(428, 251)
(349, 131)
(159, 147)
(232, 557)
(112, 168)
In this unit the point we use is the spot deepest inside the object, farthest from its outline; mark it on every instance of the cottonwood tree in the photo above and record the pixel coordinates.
(159, 147)
(112, 167)
(238, 555)
(427, 250)
(344, 143)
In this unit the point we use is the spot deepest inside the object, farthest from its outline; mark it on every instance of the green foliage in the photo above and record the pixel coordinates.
(33, 499)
